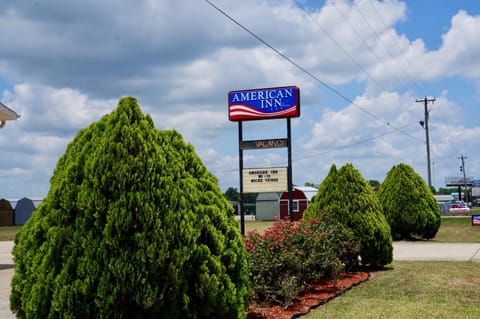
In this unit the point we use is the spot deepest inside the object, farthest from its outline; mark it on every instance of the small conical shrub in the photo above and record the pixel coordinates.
(408, 204)
(347, 197)
(133, 226)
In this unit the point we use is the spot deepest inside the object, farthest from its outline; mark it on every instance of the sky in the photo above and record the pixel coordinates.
(360, 65)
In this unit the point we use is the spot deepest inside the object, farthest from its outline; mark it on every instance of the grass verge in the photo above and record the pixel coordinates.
(411, 290)
(458, 229)
(8, 232)
(452, 229)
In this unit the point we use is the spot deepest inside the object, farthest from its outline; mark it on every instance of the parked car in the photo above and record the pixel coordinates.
(459, 207)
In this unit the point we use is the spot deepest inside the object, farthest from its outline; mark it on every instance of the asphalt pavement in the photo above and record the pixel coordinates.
(402, 251)
(6, 273)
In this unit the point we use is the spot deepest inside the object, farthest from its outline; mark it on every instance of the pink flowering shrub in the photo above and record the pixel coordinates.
(289, 255)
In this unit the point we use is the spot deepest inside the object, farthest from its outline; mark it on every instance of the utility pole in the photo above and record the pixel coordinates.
(425, 125)
(462, 169)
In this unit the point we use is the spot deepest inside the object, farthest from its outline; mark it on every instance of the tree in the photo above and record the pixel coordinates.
(250, 197)
(443, 190)
(232, 194)
(373, 182)
(133, 226)
(346, 196)
(309, 184)
(408, 204)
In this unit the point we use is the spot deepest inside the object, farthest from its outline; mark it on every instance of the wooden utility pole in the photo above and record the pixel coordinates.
(462, 169)
(425, 102)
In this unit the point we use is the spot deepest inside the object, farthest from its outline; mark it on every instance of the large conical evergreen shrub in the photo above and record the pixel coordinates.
(133, 226)
(347, 197)
(408, 204)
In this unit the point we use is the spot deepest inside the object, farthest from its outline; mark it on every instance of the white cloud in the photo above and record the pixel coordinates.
(65, 110)
(458, 55)
(69, 63)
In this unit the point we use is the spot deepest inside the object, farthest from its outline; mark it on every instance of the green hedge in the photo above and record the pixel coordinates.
(348, 197)
(408, 204)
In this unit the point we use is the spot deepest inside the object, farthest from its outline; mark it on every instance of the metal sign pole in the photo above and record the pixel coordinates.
(240, 168)
(289, 172)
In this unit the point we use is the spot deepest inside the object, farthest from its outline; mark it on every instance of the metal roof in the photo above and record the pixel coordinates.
(7, 114)
(443, 198)
(308, 191)
(268, 196)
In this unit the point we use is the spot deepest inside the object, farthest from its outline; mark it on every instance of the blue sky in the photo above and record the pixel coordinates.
(63, 65)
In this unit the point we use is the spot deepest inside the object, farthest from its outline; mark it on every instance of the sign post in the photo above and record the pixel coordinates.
(240, 167)
(261, 104)
(290, 174)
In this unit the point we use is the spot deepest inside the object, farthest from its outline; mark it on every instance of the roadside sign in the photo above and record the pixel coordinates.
(261, 144)
(265, 180)
(261, 104)
(475, 220)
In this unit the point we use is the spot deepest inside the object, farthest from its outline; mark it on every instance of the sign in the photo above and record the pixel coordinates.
(262, 104)
(476, 191)
(457, 181)
(260, 180)
(261, 144)
(475, 220)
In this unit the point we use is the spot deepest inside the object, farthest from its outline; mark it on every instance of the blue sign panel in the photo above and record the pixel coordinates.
(261, 104)
(475, 220)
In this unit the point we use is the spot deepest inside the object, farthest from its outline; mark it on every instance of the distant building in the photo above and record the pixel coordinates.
(301, 197)
(444, 202)
(6, 213)
(24, 209)
(267, 206)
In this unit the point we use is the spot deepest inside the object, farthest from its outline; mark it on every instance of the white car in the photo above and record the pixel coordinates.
(459, 208)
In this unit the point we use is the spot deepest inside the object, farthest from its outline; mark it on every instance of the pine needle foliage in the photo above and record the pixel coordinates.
(133, 226)
(408, 204)
(348, 198)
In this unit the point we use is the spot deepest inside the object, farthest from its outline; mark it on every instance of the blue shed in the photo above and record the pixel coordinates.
(24, 209)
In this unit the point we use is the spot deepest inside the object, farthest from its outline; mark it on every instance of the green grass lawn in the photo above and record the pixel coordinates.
(458, 229)
(403, 289)
(260, 226)
(406, 290)
(412, 289)
(452, 229)
(8, 232)
(475, 210)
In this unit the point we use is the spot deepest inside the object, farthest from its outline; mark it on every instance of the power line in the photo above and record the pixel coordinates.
(351, 145)
(405, 58)
(340, 46)
(463, 170)
(298, 66)
(331, 150)
(384, 46)
(365, 43)
(440, 158)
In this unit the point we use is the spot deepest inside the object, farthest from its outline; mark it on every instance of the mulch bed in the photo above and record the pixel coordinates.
(316, 295)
